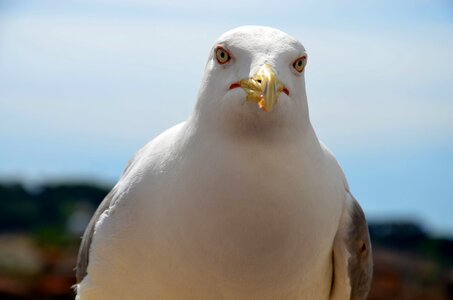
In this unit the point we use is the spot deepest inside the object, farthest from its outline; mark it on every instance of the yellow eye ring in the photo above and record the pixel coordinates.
(222, 55)
(299, 64)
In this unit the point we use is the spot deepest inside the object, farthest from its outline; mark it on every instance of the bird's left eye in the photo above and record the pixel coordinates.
(222, 55)
(299, 64)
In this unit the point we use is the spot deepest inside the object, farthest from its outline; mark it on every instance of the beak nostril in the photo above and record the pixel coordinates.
(259, 80)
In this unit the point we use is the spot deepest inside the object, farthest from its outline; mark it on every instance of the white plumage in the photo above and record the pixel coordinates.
(234, 203)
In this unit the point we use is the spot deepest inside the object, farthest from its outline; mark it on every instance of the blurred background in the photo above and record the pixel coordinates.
(84, 84)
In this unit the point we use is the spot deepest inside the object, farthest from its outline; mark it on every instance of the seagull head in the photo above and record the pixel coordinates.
(255, 73)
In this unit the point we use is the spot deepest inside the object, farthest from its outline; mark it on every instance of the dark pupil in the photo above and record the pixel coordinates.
(299, 63)
(222, 54)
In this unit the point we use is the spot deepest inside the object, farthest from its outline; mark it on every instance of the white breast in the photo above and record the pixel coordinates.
(220, 222)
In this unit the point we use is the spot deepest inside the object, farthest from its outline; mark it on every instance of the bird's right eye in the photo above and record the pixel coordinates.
(222, 55)
(299, 64)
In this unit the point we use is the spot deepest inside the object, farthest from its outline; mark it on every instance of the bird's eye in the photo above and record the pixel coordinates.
(222, 55)
(299, 64)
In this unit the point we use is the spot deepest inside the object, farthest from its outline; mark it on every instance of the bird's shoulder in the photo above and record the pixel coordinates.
(154, 152)
(333, 165)
(167, 140)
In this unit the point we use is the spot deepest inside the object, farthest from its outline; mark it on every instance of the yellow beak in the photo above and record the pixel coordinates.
(263, 88)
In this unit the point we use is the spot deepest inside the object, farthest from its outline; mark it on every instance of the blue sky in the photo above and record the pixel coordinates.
(84, 84)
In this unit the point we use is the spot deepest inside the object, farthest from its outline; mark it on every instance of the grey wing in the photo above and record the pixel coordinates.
(84, 250)
(352, 255)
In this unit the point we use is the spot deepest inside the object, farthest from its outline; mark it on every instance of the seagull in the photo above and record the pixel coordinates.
(241, 201)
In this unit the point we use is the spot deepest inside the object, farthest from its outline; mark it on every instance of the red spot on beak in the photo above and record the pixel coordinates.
(234, 85)
(286, 91)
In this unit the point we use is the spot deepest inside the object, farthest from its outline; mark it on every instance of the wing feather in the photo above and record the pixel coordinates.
(352, 255)
(84, 251)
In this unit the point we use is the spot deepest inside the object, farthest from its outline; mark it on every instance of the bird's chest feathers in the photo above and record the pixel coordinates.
(259, 180)
(237, 221)
(252, 207)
